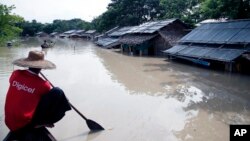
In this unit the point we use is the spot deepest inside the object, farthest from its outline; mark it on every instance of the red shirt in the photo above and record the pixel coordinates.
(23, 97)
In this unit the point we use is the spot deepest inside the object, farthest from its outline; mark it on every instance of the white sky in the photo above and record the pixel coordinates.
(46, 11)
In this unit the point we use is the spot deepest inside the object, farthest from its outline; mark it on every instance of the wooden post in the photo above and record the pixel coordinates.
(229, 67)
(140, 52)
(130, 51)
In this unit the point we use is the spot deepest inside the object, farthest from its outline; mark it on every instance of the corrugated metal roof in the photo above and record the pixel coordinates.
(219, 54)
(90, 31)
(151, 27)
(175, 49)
(112, 30)
(106, 41)
(39, 33)
(242, 36)
(54, 33)
(120, 32)
(148, 27)
(222, 33)
(70, 32)
(80, 31)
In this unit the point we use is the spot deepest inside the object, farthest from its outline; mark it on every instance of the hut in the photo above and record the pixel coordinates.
(120, 32)
(112, 30)
(222, 45)
(77, 34)
(105, 34)
(90, 34)
(41, 34)
(70, 32)
(67, 33)
(53, 34)
(110, 38)
(62, 35)
(151, 38)
(108, 43)
(138, 44)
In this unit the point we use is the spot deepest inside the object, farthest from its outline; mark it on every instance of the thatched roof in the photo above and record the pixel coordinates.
(136, 39)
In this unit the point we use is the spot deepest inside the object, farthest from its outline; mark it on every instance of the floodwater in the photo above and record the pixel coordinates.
(135, 98)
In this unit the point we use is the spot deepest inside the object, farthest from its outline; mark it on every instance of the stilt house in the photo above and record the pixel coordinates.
(151, 38)
(224, 45)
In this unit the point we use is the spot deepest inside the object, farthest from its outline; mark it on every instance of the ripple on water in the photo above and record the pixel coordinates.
(190, 94)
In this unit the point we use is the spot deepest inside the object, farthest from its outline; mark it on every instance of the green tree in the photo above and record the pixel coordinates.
(8, 21)
(128, 13)
(186, 10)
(31, 28)
(64, 25)
(49, 28)
(231, 9)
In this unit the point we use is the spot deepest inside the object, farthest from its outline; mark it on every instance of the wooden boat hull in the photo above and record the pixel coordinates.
(46, 46)
(38, 134)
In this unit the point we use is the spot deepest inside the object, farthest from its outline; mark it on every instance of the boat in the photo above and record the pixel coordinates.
(48, 44)
(36, 134)
(9, 44)
(45, 46)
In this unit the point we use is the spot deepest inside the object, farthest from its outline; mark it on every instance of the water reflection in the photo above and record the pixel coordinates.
(138, 98)
(222, 97)
(90, 135)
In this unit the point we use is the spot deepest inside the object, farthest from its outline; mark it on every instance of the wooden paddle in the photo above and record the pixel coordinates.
(93, 126)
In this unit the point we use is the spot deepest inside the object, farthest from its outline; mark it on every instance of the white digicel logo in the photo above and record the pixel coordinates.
(23, 87)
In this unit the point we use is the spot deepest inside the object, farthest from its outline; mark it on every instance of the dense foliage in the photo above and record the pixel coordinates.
(129, 13)
(31, 28)
(8, 28)
(134, 12)
(231, 9)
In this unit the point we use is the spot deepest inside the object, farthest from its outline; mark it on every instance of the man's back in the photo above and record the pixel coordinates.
(23, 97)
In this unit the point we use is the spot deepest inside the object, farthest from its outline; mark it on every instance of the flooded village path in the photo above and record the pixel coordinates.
(135, 98)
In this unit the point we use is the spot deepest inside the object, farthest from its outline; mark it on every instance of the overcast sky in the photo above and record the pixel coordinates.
(46, 11)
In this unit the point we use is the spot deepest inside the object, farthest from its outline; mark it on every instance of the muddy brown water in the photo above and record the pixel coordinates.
(135, 98)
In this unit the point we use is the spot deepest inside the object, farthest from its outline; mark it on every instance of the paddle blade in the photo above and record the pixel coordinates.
(93, 125)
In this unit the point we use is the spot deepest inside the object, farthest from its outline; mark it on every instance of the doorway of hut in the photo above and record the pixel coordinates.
(151, 51)
(217, 65)
(243, 65)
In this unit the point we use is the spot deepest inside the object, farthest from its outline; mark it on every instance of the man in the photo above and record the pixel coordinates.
(31, 102)
(45, 45)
